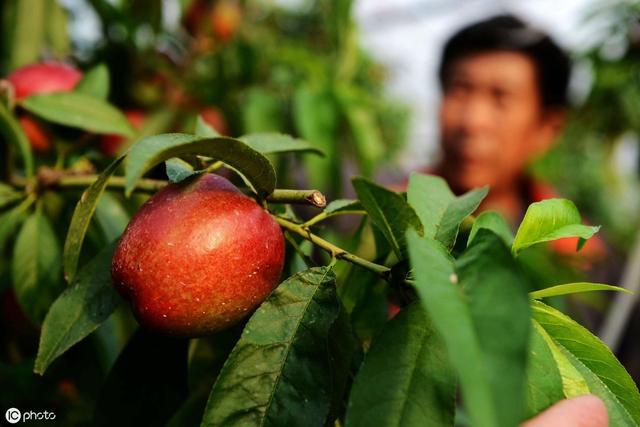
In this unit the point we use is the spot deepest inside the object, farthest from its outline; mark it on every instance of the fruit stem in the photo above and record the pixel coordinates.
(54, 178)
(332, 249)
(312, 197)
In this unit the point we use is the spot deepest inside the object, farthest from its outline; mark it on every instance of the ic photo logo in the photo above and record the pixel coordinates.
(13, 415)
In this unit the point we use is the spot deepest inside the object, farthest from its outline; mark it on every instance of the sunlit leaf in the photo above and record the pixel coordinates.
(549, 220)
(573, 288)
(603, 373)
(544, 383)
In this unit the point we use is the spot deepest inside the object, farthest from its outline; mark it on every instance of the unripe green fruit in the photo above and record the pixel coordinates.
(197, 258)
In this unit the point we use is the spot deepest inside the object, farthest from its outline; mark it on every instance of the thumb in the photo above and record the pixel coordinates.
(583, 411)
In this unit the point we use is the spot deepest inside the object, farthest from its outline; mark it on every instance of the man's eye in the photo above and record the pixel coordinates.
(458, 88)
(501, 98)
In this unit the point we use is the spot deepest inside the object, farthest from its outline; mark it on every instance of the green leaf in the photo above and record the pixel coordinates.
(366, 134)
(338, 207)
(496, 291)
(11, 220)
(574, 288)
(342, 205)
(277, 143)
(79, 110)
(316, 120)
(406, 379)
(544, 383)
(204, 129)
(573, 384)
(178, 170)
(485, 327)
(389, 212)
(152, 150)
(9, 196)
(111, 216)
(439, 210)
(493, 221)
(82, 217)
(27, 32)
(146, 385)
(343, 351)
(79, 310)
(261, 111)
(95, 82)
(548, 220)
(617, 413)
(277, 374)
(35, 267)
(605, 376)
(13, 133)
(446, 305)
(57, 29)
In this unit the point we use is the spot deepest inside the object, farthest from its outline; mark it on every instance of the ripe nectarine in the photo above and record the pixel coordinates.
(198, 257)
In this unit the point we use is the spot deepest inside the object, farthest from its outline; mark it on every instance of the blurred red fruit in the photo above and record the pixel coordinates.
(44, 77)
(215, 118)
(38, 137)
(41, 78)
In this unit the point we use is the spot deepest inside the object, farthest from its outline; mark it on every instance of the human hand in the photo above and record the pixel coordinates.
(582, 411)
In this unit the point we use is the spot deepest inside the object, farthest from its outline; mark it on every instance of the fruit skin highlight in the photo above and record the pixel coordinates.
(198, 257)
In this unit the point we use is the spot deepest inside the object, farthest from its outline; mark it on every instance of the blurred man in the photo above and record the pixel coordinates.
(504, 88)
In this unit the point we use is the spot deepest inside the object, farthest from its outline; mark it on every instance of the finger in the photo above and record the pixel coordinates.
(583, 411)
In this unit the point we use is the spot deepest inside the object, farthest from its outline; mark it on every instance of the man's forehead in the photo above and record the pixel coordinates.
(495, 68)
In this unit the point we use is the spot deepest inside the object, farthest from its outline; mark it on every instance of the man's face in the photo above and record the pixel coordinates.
(491, 120)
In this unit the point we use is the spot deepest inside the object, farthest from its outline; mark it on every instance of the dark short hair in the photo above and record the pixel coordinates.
(506, 32)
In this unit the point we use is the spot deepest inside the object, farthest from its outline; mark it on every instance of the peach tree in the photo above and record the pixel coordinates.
(454, 309)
